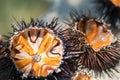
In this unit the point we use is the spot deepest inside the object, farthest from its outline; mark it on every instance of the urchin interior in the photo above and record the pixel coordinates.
(36, 51)
(97, 36)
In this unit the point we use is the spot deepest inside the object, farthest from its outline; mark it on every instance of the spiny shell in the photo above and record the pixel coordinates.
(101, 52)
(37, 51)
(42, 51)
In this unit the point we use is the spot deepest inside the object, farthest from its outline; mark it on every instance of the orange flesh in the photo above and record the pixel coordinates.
(44, 43)
(43, 61)
(92, 34)
(23, 42)
(82, 76)
(22, 63)
(96, 37)
(36, 69)
(116, 2)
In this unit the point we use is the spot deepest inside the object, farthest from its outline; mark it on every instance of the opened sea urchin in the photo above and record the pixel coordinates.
(101, 49)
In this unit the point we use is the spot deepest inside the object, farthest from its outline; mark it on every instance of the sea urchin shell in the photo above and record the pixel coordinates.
(36, 50)
(101, 50)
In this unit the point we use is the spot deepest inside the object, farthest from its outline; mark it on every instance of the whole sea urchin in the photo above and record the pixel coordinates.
(101, 49)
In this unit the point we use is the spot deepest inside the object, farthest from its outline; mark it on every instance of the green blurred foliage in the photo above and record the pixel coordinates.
(20, 9)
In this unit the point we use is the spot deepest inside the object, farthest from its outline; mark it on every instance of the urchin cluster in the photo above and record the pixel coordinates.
(41, 50)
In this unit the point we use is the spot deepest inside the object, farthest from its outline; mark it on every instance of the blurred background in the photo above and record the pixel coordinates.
(20, 9)
(42, 9)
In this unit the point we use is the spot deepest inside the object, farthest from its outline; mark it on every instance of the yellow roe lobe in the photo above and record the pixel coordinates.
(96, 36)
(36, 51)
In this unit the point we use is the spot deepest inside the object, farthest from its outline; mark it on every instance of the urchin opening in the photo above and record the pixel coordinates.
(97, 36)
(36, 58)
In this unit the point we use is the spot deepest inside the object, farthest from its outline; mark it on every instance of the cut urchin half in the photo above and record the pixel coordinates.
(101, 48)
(43, 51)
(36, 50)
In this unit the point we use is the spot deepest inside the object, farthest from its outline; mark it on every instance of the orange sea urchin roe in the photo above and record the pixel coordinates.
(116, 2)
(36, 51)
(96, 36)
(82, 76)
